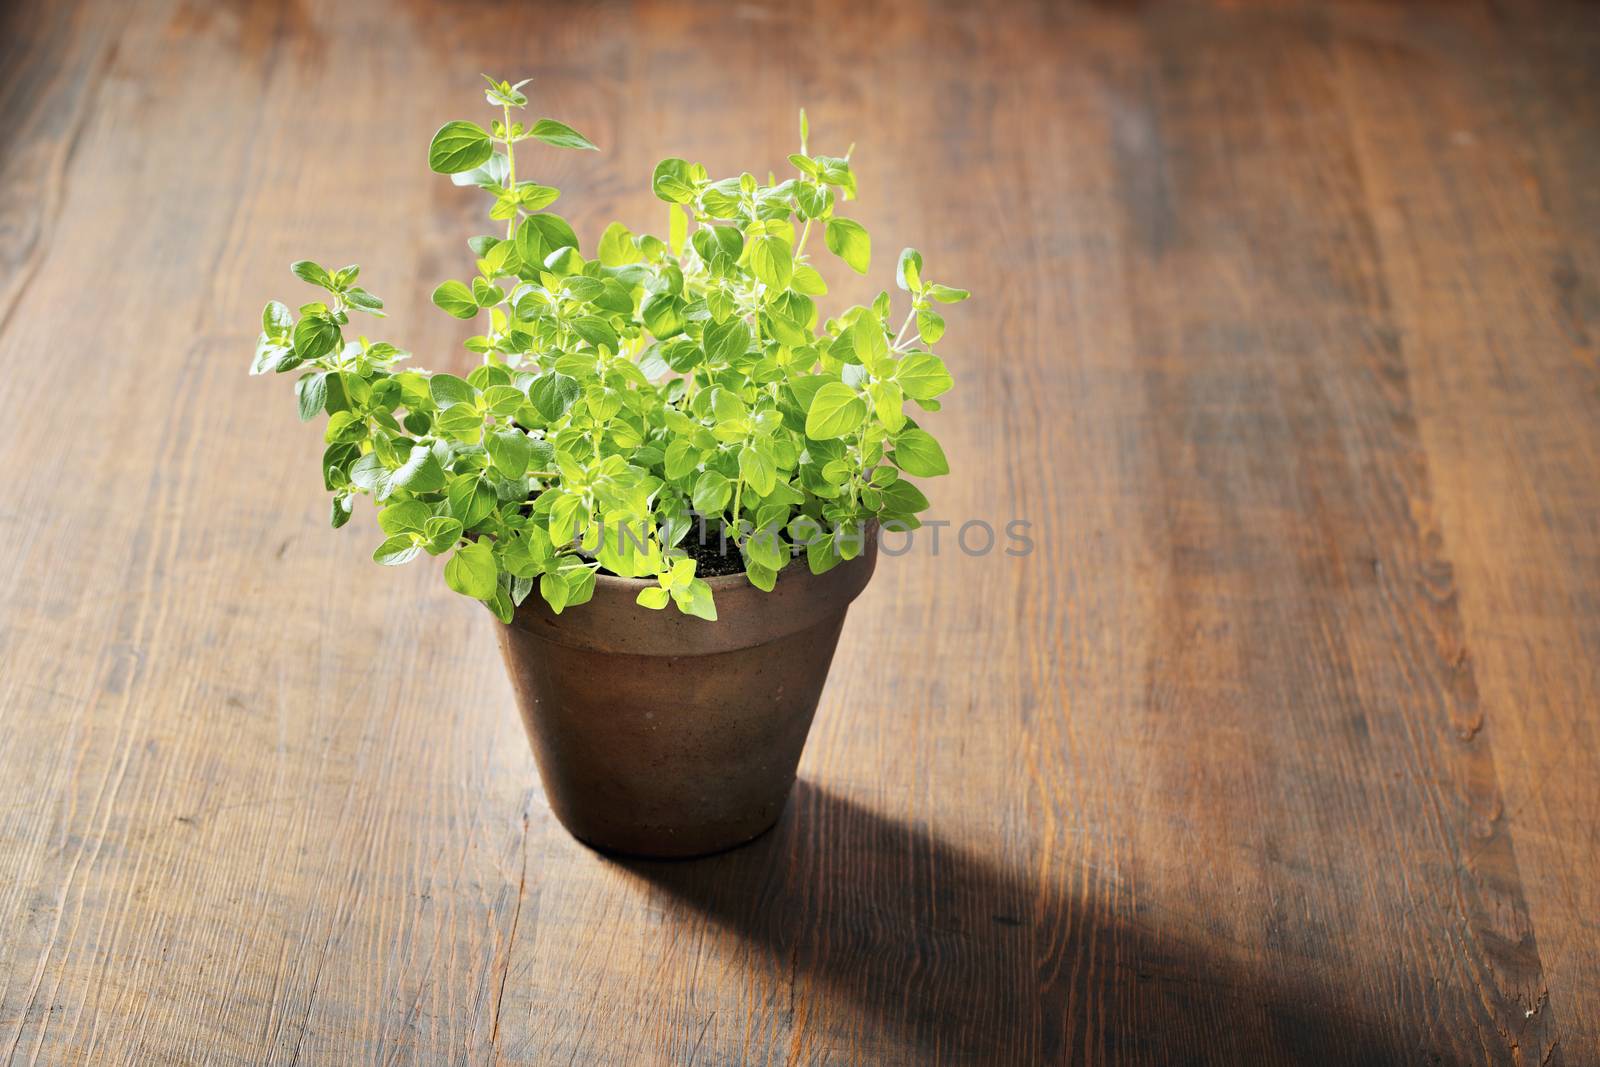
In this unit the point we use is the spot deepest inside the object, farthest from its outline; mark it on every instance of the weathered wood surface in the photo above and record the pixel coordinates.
(1282, 746)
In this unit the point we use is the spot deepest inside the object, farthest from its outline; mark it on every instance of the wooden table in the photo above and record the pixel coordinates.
(1282, 747)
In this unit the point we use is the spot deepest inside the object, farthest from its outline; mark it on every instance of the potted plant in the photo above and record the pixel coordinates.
(666, 424)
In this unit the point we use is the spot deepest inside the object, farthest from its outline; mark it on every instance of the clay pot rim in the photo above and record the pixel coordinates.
(614, 621)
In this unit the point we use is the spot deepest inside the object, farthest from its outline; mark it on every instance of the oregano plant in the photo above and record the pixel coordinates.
(661, 388)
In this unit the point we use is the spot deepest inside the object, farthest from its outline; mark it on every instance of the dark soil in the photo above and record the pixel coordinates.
(704, 543)
(706, 549)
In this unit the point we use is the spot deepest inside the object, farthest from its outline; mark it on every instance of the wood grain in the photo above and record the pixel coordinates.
(1279, 748)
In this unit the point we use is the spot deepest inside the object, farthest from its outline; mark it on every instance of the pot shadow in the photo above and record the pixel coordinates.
(882, 936)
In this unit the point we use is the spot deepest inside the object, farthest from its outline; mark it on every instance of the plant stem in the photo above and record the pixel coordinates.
(511, 172)
(904, 326)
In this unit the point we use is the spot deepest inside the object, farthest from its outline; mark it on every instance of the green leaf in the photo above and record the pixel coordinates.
(510, 451)
(922, 376)
(617, 248)
(459, 146)
(401, 548)
(726, 341)
(311, 393)
(847, 542)
(499, 260)
(553, 393)
(870, 344)
(908, 273)
(580, 585)
(486, 294)
(712, 241)
(559, 134)
(821, 556)
(368, 472)
(362, 300)
(505, 207)
(766, 548)
(930, 325)
(711, 493)
(835, 411)
(276, 321)
(681, 458)
(789, 318)
(553, 587)
(492, 175)
(314, 273)
(471, 499)
(762, 577)
(597, 330)
(408, 516)
(946, 295)
(814, 201)
(726, 405)
(553, 232)
(848, 240)
(805, 388)
(463, 423)
(531, 196)
(529, 241)
(456, 298)
(807, 280)
(916, 452)
(447, 391)
(903, 498)
(696, 600)
(527, 554)
(677, 229)
(771, 260)
(315, 336)
(567, 518)
(888, 403)
(421, 472)
(721, 199)
(504, 93)
(836, 172)
(673, 181)
(503, 400)
(662, 315)
(655, 597)
(501, 605)
(563, 261)
(757, 469)
(441, 532)
(615, 297)
(472, 571)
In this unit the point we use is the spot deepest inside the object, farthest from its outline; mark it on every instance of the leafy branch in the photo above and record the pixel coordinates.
(621, 397)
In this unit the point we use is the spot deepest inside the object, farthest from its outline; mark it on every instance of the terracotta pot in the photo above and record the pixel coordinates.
(661, 734)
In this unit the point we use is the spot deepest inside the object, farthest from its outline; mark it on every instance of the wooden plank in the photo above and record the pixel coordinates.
(1273, 750)
(1492, 281)
(221, 842)
(1303, 685)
